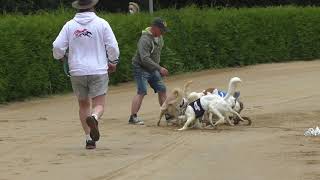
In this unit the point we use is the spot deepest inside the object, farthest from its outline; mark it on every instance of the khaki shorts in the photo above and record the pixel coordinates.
(90, 86)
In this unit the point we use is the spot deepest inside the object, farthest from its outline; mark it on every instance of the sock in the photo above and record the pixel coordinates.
(88, 137)
(134, 115)
(95, 116)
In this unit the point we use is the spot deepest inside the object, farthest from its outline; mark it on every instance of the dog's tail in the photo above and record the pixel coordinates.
(178, 94)
(232, 87)
(186, 88)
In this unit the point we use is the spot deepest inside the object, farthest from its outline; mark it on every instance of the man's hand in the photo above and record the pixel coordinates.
(164, 71)
(112, 68)
(65, 58)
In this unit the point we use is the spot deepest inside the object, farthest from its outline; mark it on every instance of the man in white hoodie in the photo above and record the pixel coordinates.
(93, 51)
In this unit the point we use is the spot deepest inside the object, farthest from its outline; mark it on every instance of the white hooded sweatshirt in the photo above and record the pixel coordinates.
(91, 43)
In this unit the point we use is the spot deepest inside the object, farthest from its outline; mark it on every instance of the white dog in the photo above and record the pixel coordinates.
(214, 104)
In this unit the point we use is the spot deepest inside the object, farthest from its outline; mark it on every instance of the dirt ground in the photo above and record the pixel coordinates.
(42, 139)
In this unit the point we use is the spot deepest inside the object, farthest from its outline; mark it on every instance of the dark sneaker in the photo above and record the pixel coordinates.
(135, 120)
(94, 130)
(90, 144)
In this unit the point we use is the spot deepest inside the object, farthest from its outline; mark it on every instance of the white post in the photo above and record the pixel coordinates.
(151, 6)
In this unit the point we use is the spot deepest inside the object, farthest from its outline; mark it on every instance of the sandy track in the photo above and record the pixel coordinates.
(42, 138)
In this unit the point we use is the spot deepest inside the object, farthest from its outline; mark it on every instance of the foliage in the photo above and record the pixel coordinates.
(199, 39)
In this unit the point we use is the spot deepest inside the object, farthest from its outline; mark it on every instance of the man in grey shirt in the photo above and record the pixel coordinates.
(146, 67)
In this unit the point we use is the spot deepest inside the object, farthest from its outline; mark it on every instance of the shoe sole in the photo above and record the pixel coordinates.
(90, 147)
(136, 123)
(94, 131)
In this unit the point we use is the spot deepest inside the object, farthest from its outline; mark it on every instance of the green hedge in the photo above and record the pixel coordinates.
(199, 39)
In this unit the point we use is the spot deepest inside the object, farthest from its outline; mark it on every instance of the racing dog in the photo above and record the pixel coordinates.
(175, 104)
(214, 104)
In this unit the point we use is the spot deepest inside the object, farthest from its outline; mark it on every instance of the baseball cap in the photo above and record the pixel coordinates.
(161, 24)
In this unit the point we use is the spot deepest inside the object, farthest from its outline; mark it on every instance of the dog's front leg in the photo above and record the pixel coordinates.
(229, 121)
(198, 124)
(212, 110)
(210, 118)
(190, 116)
(190, 119)
(182, 119)
(221, 119)
(186, 125)
(236, 113)
(160, 117)
(205, 117)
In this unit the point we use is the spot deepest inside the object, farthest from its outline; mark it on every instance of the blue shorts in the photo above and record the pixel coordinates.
(142, 77)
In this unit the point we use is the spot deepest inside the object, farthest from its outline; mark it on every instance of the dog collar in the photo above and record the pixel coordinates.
(183, 103)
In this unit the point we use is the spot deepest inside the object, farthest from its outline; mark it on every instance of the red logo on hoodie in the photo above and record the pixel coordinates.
(84, 32)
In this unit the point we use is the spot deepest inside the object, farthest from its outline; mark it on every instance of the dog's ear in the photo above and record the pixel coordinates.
(205, 92)
(176, 94)
(209, 90)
